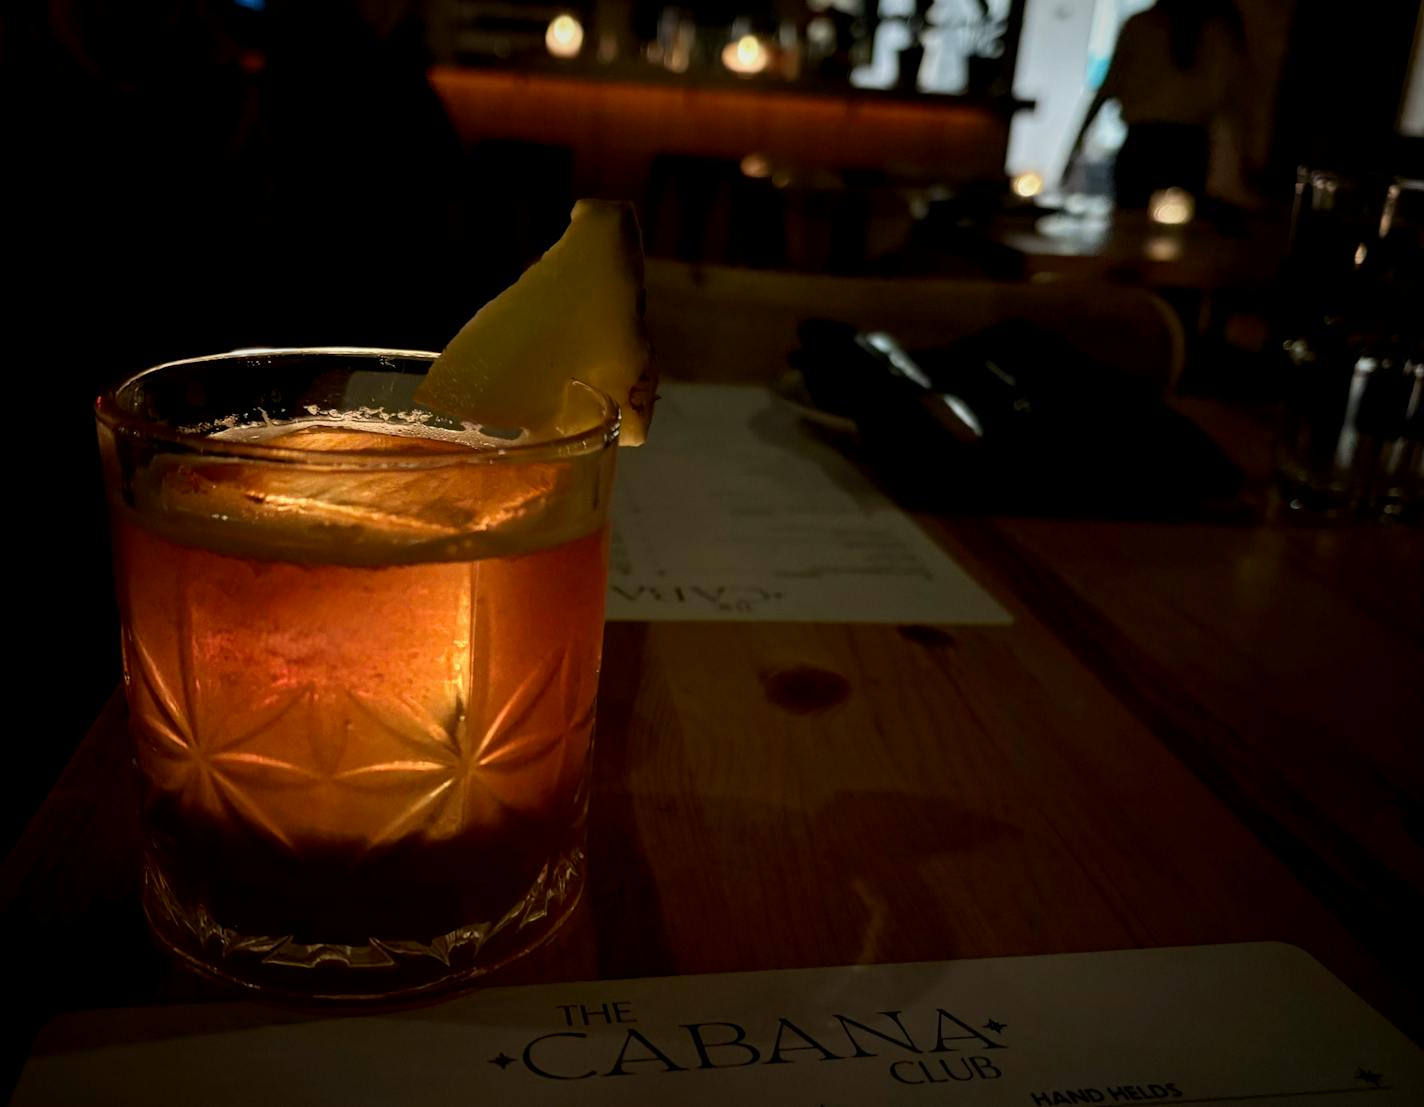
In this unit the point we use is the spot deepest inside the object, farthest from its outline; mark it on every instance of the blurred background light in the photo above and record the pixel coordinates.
(821, 33)
(564, 38)
(1172, 207)
(1163, 247)
(745, 56)
(1027, 184)
(756, 166)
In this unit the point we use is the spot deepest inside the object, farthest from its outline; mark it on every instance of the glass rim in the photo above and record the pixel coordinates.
(110, 412)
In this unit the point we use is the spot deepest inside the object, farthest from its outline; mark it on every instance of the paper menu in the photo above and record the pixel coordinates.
(736, 510)
(1256, 1024)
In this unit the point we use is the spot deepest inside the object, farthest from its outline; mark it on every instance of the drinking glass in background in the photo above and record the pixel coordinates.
(1353, 441)
(361, 653)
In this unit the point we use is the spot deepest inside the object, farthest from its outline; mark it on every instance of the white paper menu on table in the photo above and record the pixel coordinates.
(1261, 1025)
(737, 510)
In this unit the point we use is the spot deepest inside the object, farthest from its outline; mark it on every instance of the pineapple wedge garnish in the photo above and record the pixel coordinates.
(576, 314)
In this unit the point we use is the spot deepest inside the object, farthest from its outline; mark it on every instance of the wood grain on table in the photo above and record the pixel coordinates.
(1191, 733)
(1132, 763)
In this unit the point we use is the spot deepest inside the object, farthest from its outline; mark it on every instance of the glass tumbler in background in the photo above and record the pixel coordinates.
(361, 652)
(1351, 443)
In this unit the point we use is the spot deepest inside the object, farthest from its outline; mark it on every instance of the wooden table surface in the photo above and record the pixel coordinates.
(1191, 733)
(1130, 247)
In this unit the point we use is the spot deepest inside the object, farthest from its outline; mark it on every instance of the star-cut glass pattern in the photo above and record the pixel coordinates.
(474, 747)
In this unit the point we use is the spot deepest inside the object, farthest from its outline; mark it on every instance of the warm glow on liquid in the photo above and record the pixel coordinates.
(428, 716)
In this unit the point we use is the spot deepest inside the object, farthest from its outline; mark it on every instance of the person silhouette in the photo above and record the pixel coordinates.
(1175, 74)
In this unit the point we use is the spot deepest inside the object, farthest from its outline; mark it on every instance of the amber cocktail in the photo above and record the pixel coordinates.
(361, 651)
